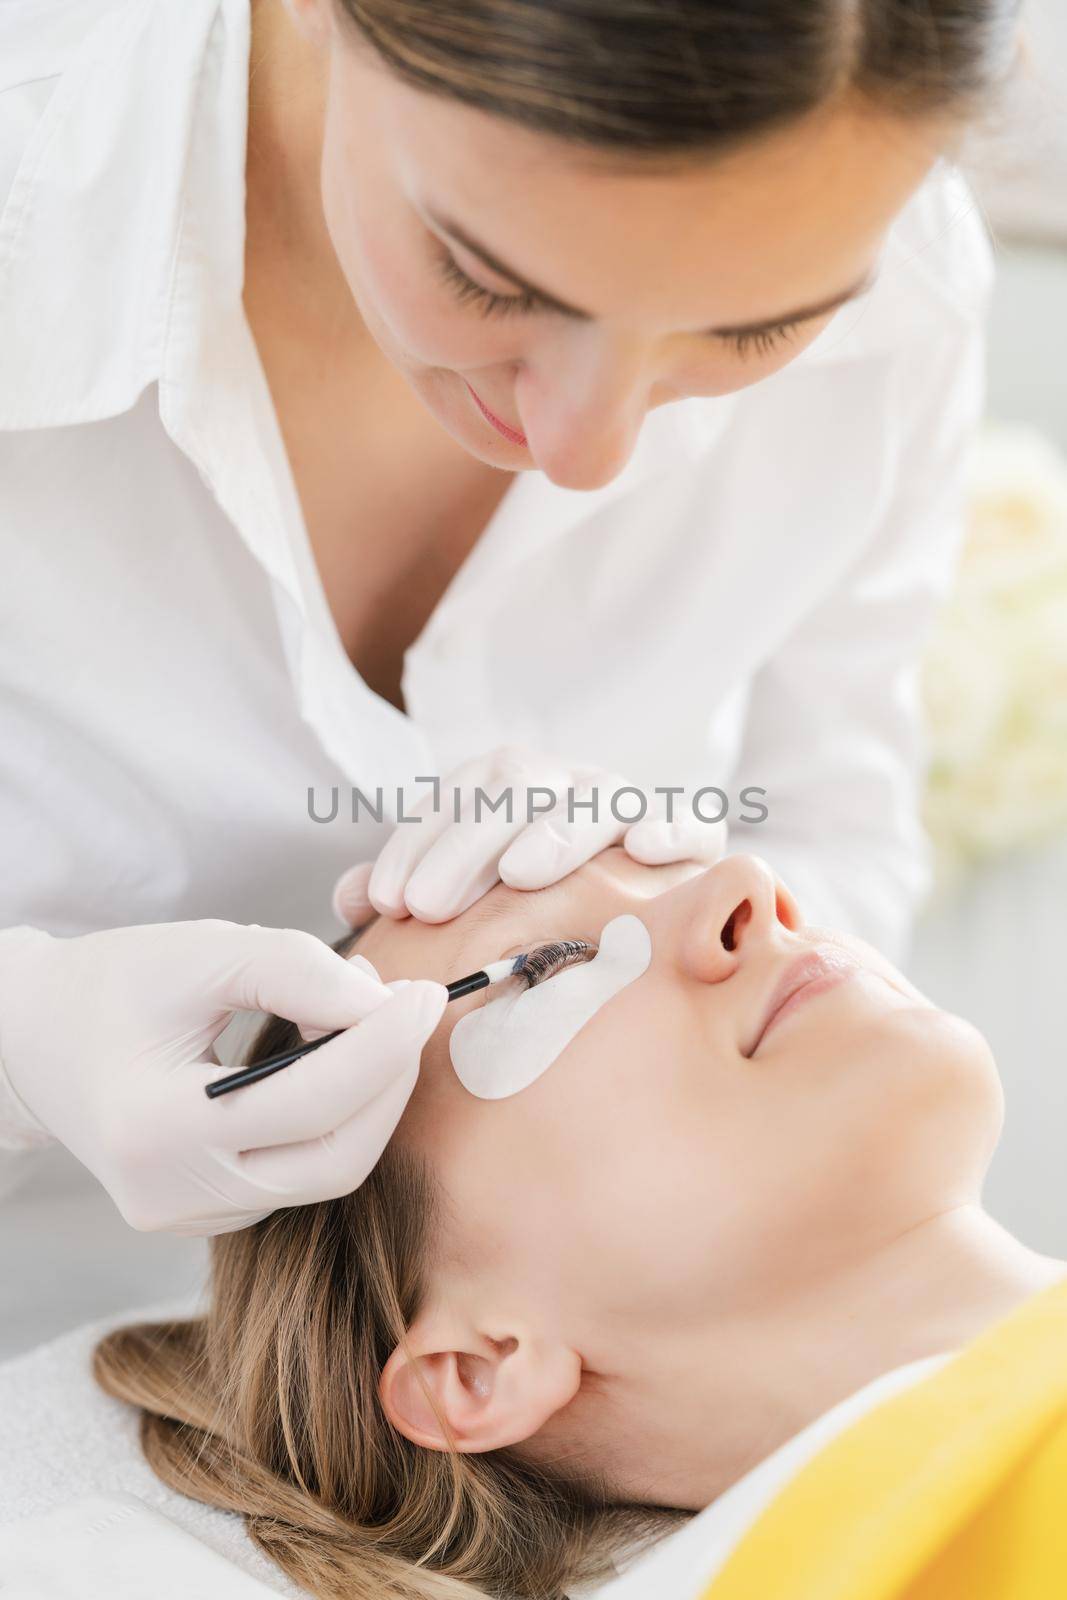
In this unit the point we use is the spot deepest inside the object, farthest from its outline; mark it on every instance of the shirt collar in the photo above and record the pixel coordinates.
(90, 231)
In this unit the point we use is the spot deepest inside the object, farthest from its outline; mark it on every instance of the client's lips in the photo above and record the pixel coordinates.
(490, 416)
(810, 974)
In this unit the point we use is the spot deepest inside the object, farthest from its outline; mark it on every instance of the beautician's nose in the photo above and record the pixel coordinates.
(583, 406)
(739, 907)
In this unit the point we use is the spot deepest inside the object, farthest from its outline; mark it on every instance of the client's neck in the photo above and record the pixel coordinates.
(743, 1389)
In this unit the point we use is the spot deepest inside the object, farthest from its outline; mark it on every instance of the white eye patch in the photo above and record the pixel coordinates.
(507, 1044)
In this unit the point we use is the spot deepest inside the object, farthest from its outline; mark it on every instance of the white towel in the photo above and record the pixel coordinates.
(112, 1547)
(63, 1440)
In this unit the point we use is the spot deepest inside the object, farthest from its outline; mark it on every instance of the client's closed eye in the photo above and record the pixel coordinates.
(546, 960)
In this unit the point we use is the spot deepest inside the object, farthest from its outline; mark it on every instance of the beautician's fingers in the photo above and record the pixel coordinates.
(309, 1034)
(464, 864)
(320, 1091)
(351, 902)
(368, 966)
(336, 1163)
(451, 864)
(290, 973)
(567, 837)
(411, 839)
(656, 841)
(438, 866)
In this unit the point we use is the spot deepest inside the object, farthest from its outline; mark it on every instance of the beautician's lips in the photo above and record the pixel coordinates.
(501, 427)
(810, 974)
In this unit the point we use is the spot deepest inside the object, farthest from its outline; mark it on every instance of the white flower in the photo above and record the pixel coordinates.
(995, 681)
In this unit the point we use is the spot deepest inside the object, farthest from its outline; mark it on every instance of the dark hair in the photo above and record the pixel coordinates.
(669, 78)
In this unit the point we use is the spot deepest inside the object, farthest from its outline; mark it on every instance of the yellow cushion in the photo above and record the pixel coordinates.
(954, 1490)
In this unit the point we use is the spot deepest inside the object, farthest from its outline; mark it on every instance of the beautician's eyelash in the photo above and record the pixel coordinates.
(760, 341)
(490, 304)
(545, 960)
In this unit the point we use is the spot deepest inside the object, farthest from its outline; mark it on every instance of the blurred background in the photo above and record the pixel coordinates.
(992, 944)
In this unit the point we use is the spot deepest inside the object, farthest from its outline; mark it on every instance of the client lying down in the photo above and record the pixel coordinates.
(740, 1185)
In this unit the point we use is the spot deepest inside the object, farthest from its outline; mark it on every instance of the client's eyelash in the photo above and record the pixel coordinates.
(548, 959)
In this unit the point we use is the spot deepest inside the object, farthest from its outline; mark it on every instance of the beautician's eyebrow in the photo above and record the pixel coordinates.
(743, 330)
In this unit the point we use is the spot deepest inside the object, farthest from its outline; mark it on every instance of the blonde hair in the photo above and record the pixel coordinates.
(268, 1406)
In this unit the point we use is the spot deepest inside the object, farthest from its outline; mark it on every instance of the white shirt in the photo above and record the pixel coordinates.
(81, 1511)
(742, 605)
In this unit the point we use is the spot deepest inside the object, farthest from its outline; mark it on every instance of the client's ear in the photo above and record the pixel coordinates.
(493, 1394)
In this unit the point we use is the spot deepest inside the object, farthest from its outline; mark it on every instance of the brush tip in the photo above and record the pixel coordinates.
(497, 971)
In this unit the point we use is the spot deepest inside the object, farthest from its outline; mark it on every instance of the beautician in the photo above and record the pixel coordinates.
(537, 392)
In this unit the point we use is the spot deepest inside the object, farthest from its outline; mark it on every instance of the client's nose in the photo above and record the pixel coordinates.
(738, 905)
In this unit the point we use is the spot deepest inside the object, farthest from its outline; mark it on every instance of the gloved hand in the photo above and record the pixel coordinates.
(106, 1045)
(436, 868)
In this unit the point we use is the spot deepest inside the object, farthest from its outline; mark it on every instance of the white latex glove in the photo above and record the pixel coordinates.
(106, 1043)
(436, 868)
